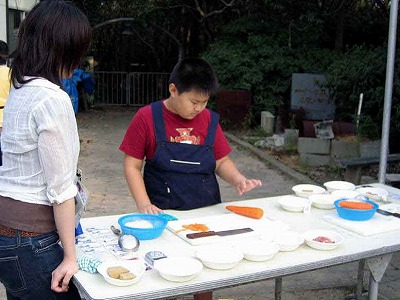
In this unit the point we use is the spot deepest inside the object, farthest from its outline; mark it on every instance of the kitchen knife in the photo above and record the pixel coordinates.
(388, 213)
(218, 233)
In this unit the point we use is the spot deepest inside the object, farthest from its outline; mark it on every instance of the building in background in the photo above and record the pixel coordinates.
(12, 12)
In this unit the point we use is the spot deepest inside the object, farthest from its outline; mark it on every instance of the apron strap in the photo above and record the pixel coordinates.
(212, 129)
(158, 120)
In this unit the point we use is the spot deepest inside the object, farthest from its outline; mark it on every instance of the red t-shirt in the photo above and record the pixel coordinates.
(140, 138)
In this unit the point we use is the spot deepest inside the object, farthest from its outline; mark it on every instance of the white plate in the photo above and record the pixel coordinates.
(259, 250)
(289, 240)
(334, 238)
(136, 267)
(348, 194)
(323, 201)
(374, 194)
(178, 269)
(305, 190)
(219, 257)
(294, 203)
(339, 185)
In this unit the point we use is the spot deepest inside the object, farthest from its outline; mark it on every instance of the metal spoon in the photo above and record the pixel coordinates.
(127, 242)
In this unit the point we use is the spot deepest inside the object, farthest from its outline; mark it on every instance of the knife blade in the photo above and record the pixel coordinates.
(388, 213)
(218, 233)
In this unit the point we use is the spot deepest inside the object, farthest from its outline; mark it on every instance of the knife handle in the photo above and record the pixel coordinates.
(200, 234)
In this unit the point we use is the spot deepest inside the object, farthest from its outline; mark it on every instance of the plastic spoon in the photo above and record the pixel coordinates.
(127, 242)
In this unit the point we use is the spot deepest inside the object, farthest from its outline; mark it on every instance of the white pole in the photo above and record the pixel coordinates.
(359, 108)
(388, 90)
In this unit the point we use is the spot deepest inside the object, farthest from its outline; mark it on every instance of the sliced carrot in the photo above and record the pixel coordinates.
(355, 205)
(193, 227)
(251, 212)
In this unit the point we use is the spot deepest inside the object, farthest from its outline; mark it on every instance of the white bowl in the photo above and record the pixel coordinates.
(220, 257)
(339, 185)
(305, 190)
(374, 194)
(323, 201)
(348, 194)
(260, 250)
(289, 241)
(294, 203)
(136, 267)
(323, 239)
(178, 269)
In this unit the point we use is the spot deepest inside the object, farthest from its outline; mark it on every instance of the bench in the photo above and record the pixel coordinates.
(354, 165)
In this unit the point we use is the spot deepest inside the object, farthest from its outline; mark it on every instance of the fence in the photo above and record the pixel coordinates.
(129, 89)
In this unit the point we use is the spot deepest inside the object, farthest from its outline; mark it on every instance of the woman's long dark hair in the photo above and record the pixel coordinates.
(53, 39)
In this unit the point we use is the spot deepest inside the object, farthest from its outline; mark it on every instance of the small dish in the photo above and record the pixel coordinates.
(323, 239)
(220, 257)
(305, 190)
(289, 241)
(178, 269)
(294, 203)
(374, 194)
(323, 201)
(339, 185)
(136, 267)
(260, 250)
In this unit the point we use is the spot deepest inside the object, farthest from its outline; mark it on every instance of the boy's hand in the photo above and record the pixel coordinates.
(247, 185)
(150, 209)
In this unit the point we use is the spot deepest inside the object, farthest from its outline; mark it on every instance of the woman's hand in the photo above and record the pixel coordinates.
(150, 209)
(61, 276)
(247, 185)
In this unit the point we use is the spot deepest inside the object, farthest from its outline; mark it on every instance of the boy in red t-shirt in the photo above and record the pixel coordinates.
(182, 144)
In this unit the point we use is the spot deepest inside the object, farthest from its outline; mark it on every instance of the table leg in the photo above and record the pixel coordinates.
(360, 278)
(377, 267)
(278, 288)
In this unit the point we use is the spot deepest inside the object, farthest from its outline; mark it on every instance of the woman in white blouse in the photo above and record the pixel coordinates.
(40, 146)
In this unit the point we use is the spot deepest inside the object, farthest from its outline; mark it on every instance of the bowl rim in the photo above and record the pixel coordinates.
(304, 201)
(332, 182)
(148, 216)
(236, 255)
(309, 236)
(298, 186)
(375, 206)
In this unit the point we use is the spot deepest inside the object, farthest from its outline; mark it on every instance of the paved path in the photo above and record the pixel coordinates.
(101, 132)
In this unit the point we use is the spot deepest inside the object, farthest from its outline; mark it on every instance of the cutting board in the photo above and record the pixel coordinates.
(377, 224)
(226, 222)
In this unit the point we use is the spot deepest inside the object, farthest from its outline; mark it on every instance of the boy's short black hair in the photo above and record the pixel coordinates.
(53, 38)
(193, 73)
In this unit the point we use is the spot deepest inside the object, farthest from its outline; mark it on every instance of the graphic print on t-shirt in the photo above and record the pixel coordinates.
(185, 137)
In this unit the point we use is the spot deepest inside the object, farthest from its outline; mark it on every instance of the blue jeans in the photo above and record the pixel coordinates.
(26, 265)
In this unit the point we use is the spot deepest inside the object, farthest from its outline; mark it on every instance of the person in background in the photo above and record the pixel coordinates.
(4, 84)
(71, 86)
(40, 154)
(183, 147)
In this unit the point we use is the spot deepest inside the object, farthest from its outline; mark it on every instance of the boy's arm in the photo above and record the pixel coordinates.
(227, 170)
(133, 174)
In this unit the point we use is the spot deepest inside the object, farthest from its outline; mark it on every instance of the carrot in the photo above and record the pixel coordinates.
(356, 205)
(251, 212)
(193, 227)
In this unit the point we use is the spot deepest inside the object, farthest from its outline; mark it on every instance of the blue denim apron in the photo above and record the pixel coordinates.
(181, 176)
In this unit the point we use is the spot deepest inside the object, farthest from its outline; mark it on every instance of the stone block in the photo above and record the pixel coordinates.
(315, 160)
(344, 149)
(313, 146)
(267, 122)
(370, 149)
(291, 137)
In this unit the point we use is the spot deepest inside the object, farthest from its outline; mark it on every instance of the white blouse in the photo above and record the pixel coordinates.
(40, 144)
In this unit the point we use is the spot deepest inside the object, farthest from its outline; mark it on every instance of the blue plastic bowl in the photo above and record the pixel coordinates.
(356, 214)
(158, 226)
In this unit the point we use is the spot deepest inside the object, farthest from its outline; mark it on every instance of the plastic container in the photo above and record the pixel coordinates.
(356, 214)
(133, 224)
